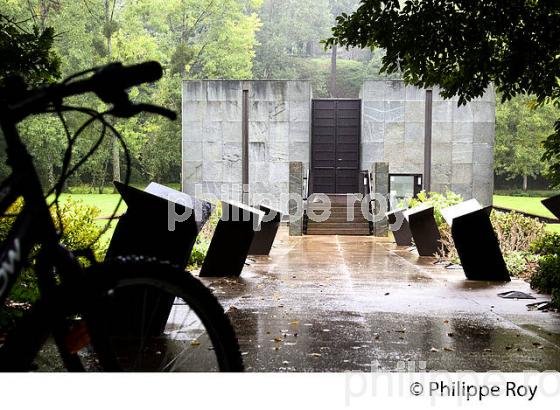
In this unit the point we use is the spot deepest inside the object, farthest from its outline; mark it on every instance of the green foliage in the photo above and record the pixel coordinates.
(463, 47)
(516, 232)
(191, 38)
(203, 239)
(27, 52)
(548, 244)
(291, 30)
(520, 264)
(438, 201)
(516, 235)
(521, 129)
(547, 277)
(80, 231)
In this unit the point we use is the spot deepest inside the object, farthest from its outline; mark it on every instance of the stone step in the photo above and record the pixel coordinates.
(336, 211)
(328, 231)
(342, 218)
(338, 225)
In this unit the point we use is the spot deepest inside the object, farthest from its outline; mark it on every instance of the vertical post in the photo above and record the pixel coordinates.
(428, 142)
(245, 147)
(295, 204)
(380, 187)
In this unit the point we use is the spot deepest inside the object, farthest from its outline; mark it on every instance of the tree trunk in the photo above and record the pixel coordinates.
(525, 182)
(109, 35)
(116, 161)
(333, 72)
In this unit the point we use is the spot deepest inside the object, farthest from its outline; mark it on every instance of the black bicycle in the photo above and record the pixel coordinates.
(131, 313)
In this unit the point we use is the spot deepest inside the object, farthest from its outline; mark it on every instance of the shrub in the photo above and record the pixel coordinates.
(516, 232)
(547, 277)
(548, 244)
(80, 230)
(438, 201)
(203, 239)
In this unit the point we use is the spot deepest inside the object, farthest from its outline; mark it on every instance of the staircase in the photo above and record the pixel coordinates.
(338, 222)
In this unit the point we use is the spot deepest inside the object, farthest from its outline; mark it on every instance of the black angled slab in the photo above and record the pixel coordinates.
(424, 229)
(232, 239)
(264, 238)
(476, 241)
(399, 226)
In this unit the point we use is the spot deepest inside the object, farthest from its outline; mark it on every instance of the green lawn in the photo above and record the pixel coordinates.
(105, 202)
(531, 205)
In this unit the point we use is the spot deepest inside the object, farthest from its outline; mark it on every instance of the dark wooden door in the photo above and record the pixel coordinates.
(335, 146)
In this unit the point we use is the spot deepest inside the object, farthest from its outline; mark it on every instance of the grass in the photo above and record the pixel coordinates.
(105, 202)
(531, 205)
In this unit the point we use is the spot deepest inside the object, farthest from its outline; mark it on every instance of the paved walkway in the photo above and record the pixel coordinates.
(338, 303)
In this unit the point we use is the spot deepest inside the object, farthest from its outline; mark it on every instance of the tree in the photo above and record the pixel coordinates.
(464, 45)
(520, 131)
(27, 52)
(291, 30)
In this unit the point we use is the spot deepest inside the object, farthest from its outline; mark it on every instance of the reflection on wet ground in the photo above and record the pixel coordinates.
(340, 303)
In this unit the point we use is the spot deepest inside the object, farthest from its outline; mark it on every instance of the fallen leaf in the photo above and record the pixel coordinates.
(315, 354)
(278, 339)
(387, 294)
(195, 343)
(487, 350)
(434, 350)
(448, 349)
(451, 334)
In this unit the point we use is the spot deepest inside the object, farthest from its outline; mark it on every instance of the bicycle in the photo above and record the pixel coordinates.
(82, 311)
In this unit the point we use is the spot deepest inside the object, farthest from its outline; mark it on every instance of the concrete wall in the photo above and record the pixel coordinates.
(279, 132)
(462, 137)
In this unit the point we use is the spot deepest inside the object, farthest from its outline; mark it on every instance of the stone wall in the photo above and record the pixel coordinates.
(279, 132)
(462, 137)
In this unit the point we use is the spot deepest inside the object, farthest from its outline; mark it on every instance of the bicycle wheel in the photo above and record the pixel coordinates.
(156, 317)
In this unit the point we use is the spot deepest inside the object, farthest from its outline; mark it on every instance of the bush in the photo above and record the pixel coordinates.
(548, 244)
(80, 230)
(438, 201)
(547, 277)
(203, 239)
(516, 232)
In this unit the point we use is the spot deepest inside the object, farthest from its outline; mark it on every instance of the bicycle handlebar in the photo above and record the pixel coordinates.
(108, 82)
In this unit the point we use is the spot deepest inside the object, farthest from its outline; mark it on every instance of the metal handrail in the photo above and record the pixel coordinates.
(367, 190)
(306, 185)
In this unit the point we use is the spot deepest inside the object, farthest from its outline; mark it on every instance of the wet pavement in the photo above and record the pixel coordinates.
(350, 303)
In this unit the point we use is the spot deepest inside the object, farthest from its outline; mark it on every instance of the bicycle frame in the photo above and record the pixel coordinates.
(33, 226)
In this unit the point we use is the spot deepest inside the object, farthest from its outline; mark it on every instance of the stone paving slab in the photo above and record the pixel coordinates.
(344, 303)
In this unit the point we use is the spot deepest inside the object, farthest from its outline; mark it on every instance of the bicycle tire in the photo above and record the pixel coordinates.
(131, 273)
